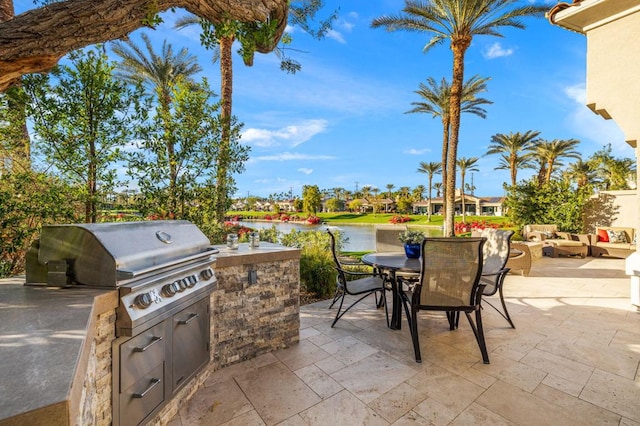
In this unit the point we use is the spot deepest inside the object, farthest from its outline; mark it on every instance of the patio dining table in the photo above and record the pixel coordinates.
(392, 263)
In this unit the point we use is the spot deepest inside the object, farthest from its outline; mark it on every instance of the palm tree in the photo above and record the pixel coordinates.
(160, 74)
(549, 155)
(430, 169)
(457, 21)
(514, 151)
(418, 192)
(389, 187)
(438, 187)
(436, 102)
(581, 172)
(465, 165)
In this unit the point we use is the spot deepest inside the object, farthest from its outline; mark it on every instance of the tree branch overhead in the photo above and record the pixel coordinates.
(36, 40)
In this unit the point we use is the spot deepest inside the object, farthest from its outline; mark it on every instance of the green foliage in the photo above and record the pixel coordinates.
(171, 179)
(83, 120)
(311, 199)
(27, 201)
(555, 202)
(411, 236)
(335, 205)
(317, 268)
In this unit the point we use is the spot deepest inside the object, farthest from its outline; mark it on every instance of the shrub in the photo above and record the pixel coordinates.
(317, 268)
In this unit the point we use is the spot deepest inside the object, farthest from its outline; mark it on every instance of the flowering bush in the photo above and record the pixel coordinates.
(313, 220)
(400, 219)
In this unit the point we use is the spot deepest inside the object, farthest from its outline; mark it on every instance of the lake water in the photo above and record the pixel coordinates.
(361, 237)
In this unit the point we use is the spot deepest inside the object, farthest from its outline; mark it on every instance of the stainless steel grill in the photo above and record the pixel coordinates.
(163, 271)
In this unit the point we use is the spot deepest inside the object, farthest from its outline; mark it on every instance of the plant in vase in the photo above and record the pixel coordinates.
(412, 240)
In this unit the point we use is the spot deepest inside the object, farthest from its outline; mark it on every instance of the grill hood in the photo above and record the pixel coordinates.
(112, 254)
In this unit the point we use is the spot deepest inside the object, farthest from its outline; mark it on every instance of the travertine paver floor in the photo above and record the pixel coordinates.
(572, 360)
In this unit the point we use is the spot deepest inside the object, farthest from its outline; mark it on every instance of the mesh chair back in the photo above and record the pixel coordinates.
(387, 238)
(450, 272)
(496, 249)
(495, 256)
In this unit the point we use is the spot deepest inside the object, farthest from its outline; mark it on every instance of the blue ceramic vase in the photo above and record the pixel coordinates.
(412, 251)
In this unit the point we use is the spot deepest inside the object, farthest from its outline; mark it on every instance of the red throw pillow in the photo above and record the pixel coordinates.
(603, 236)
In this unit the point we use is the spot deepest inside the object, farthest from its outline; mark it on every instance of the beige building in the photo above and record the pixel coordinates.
(612, 28)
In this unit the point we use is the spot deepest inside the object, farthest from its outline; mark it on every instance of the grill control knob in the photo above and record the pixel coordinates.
(170, 289)
(143, 300)
(182, 284)
(207, 274)
(191, 280)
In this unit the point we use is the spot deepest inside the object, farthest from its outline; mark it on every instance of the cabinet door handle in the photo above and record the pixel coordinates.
(154, 382)
(154, 340)
(188, 320)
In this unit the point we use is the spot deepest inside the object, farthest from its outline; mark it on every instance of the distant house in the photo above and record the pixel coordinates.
(286, 205)
(476, 206)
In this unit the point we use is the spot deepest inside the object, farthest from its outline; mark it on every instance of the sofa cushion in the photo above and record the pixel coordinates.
(603, 235)
(618, 246)
(617, 236)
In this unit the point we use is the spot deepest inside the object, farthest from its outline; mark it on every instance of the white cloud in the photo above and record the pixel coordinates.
(292, 135)
(305, 170)
(496, 51)
(414, 151)
(289, 156)
(333, 34)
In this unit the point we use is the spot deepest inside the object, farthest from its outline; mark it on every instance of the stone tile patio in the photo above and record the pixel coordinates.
(573, 359)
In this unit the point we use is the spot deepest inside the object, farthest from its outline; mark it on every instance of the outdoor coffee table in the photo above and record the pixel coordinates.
(393, 262)
(554, 248)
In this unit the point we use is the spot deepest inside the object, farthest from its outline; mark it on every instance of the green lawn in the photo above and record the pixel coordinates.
(380, 218)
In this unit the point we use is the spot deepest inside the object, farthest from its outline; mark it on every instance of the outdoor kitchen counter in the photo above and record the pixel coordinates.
(266, 252)
(43, 350)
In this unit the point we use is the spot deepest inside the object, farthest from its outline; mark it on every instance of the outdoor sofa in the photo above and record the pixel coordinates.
(556, 243)
(613, 241)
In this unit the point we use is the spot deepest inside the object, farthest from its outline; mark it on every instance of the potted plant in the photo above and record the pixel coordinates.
(412, 240)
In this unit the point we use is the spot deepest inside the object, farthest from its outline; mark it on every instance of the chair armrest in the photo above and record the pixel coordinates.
(565, 235)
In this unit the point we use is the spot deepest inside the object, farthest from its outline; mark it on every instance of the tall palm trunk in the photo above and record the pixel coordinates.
(459, 46)
(514, 172)
(165, 105)
(462, 193)
(226, 89)
(446, 125)
(429, 211)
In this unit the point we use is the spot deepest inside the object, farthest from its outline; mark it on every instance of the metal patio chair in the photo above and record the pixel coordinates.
(495, 256)
(450, 282)
(359, 284)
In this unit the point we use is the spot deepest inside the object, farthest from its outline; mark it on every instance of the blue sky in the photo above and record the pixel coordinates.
(341, 122)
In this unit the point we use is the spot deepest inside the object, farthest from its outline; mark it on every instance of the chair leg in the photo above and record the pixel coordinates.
(340, 314)
(506, 312)
(336, 295)
(414, 334)
(478, 332)
(504, 315)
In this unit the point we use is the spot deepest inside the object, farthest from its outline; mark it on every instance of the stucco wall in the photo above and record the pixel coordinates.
(613, 208)
(613, 64)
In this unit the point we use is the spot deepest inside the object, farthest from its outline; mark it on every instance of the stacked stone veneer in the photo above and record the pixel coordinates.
(95, 399)
(250, 320)
(247, 320)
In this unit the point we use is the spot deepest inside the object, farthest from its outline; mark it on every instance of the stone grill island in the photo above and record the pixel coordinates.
(57, 344)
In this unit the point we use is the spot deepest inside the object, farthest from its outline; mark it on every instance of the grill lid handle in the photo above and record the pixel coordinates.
(126, 274)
